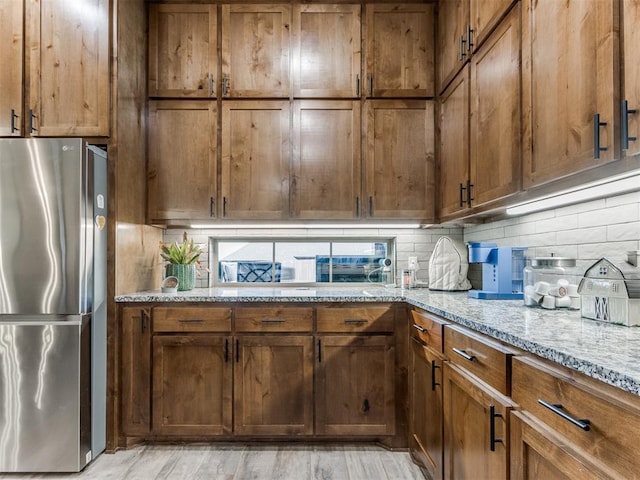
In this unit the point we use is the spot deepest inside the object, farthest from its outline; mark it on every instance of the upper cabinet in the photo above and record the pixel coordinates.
(255, 50)
(11, 73)
(630, 128)
(462, 27)
(183, 53)
(69, 68)
(570, 87)
(326, 57)
(400, 52)
(399, 164)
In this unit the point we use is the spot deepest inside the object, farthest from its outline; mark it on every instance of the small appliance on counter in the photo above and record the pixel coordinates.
(611, 293)
(448, 266)
(502, 271)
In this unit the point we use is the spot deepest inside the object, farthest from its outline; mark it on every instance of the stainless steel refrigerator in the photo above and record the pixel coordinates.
(53, 236)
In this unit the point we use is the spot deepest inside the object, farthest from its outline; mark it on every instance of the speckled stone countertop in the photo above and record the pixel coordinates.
(610, 353)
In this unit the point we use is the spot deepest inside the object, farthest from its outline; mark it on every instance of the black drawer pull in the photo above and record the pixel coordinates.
(557, 408)
(419, 328)
(492, 428)
(434, 384)
(358, 321)
(464, 354)
(191, 320)
(273, 320)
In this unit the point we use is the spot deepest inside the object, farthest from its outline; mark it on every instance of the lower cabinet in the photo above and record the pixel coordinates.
(192, 377)
(273, 387)
(355, 390)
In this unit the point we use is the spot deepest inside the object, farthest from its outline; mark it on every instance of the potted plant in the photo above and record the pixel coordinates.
(183, 259)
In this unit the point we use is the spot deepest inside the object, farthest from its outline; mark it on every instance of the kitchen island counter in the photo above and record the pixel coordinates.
(606, 352)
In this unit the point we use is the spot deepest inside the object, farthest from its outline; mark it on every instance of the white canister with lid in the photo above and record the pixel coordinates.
(555, 277)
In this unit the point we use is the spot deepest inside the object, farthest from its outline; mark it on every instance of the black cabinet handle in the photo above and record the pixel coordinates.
(319, 352)
(224, 207)
(434, 384)
(492, 428)
(469, 36)
(226, 350)
(190, 320)
(14, 116)
(143, 320)
(596, 136)
(357, 206)
(357, 85)
(32, 122)
(461, 52)
(464, 354)
(371, 84)
(273, 320)
(419, 328)
(371, 206)
(557, 408)
(358, 321)
(462, 199)
(365, 406)
(469, 197)
(212, 207)
(626, 111)
(237, 350)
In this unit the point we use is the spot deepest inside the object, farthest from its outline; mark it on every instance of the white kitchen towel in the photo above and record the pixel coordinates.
(448, 266)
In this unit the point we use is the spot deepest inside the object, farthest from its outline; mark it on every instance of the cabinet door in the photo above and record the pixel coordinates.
(326, 59)
(539, 452)
(454, 146)
(631, 62)
(326, 159)
(182, 50)
(495, 144)
(69, 67)
(136, 371)
(11, 73)
(476, 427)
(192, 378)
(400, 50)
(255, 50)
(569, 55)
(355, 385)
(400, 159)
(453, 18)
(484, 15)
(181, 160)
(273, 387)
(426, 427)
(255, 159)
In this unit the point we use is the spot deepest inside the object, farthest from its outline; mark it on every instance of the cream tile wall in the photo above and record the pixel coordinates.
(607, 227)
(409, 242)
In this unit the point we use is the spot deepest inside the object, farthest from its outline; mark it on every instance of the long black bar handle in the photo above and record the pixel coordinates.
(461, 52)
(371, 84)
(462, 199)
(469, 197)
(143, 320)
(626, 111)
(492, 428)
(557, 408)
(224, 207)
(212, 207)
(596, 136)
(32, 122)
(434, 384)
(464, 354)
(226, 350)
(371, 206)
(357, 85)
(237, 351)
(319, 352)
(469, 37)
(14, 116)
(357, 206)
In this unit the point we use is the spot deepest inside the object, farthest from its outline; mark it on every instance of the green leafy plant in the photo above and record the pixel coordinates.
(185, 253)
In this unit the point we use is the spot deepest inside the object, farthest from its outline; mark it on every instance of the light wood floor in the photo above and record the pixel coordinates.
(242, 462)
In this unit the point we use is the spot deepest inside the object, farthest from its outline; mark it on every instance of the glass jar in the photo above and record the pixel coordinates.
(552, 282)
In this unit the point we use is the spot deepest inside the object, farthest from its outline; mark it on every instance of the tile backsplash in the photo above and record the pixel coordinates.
(587, 232)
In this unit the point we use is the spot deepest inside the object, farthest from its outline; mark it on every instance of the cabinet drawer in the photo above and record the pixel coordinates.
(191, 319)
(428, 328)
(355, 319)
(601, 420)
(486, 359)
(274, 319)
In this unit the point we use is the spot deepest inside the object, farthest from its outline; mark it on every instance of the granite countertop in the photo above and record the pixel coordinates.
(607, 352)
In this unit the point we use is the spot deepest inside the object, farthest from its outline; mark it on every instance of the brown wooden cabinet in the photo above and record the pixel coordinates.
(426, 408)
(569, 425)
(326, 50)
(480, 139)
(255, 50)
(399, 162)
(400, 50)
(326, 159)
(11, 73)
(631, 88)
(570, 87)
(135, 392)
(183, 55)
(181, 160)
(273, 385)
(255, 159)
(69, 87)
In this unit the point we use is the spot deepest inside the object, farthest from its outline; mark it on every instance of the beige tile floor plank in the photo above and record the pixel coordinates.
(328, 463)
